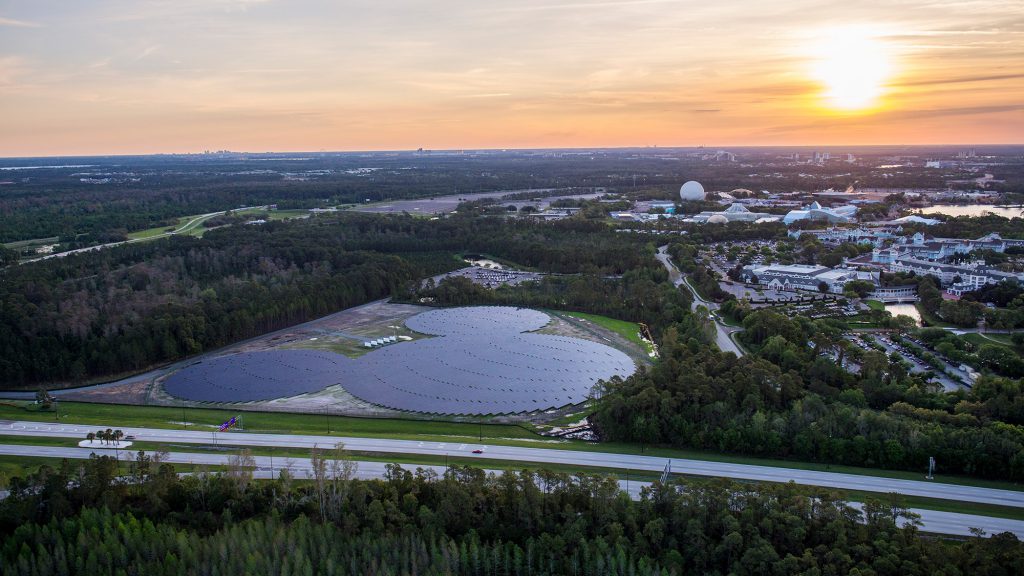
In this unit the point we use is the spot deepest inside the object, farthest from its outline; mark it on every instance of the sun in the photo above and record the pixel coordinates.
(852, 65)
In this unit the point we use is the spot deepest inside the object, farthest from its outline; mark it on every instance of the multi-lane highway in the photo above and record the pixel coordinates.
(543, 456)
(268, 466)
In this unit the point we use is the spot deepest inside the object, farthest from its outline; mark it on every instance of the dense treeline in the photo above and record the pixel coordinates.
(127, 308)
(92, 198)
(972, 227)
(639, 296)
(135, 193)
(792, 399)
(566, 246)
(79, 518)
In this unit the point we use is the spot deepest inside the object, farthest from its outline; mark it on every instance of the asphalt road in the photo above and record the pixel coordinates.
(723, 333)
(929, 489)
(269, 467)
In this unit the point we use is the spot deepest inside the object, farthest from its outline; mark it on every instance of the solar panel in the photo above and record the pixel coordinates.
(484, 360)
(263, 375)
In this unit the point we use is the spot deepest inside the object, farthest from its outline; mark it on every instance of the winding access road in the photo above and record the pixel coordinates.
(723, 333)
(268, 467)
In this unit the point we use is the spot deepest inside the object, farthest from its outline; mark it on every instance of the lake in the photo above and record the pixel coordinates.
(973, 210)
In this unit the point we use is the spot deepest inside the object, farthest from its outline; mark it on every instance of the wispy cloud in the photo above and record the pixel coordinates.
(18, 23)
(960, 80)
(147, 51)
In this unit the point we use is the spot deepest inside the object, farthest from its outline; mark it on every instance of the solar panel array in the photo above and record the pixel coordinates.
(481, 363)
(257, 376)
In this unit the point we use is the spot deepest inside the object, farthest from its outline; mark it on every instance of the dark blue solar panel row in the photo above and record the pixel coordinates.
(257, 376)
(482, 363)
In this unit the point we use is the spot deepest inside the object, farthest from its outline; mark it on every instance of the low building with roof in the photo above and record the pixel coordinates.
(962, 278)
(815, 211)
(734, 213)
(794, 277)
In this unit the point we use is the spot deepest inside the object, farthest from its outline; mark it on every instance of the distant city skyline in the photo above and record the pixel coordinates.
(162, 76)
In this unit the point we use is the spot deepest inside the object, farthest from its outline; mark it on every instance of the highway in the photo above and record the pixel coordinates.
(270, 467)
(723, 333)
(541, 455)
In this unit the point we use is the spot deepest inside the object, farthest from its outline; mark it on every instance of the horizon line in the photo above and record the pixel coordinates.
(509, 149)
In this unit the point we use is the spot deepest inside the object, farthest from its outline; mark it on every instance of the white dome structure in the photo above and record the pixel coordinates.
(692, 191)
(718, 219)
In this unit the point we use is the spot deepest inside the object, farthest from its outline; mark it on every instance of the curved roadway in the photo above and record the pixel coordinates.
(723, 333)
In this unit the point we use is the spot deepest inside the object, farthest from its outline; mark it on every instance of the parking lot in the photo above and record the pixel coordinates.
(917, 365)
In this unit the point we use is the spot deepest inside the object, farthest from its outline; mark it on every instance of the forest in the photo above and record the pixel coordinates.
(82, 518)
(90, 200)
(106, 313)
(791, 399)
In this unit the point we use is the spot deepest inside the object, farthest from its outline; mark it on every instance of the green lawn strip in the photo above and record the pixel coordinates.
(41, 441)
(286, 214)
(276, 422)
(195, 228)
(425, 430)
(993, 339)
(151, 232)
(33, 242)
(874, 304)
(628, 330)
(855, 325)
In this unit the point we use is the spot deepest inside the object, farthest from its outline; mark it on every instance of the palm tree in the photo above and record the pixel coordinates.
(110, 434)
(90, 437)
(117, 436)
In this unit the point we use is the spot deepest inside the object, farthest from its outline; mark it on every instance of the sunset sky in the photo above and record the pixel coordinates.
(117, 77)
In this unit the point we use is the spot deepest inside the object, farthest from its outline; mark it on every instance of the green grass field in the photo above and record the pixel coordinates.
(33, 242)
(270, 422)
(628, 330)
(196, 223)
(875, 305)
(992, 339)
(287, 214)
(151, 232)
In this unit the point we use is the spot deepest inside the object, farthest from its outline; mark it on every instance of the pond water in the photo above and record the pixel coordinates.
(904, 310)
(974, 210)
